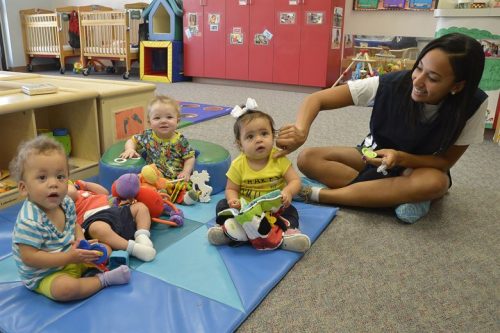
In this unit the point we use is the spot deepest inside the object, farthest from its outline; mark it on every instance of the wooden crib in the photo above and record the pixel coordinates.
(110, 35)
(45, 35)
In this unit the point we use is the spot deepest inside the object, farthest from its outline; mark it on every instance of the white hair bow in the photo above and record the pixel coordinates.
(238, 111)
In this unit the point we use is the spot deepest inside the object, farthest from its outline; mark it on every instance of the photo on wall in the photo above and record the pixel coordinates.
(287, 17)
(337, 17)
(315, 17)
(336, 35)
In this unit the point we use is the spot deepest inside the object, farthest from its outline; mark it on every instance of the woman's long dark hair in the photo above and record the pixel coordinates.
(466, 58)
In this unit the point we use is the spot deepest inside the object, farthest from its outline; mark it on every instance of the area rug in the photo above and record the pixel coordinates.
(192, 113)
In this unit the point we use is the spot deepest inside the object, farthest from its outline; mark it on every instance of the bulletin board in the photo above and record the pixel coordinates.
(394, 4)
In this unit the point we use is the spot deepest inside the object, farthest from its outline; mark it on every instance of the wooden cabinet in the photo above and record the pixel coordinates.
(23, 117)
(121, 105)
(96, 113)
(279, 41)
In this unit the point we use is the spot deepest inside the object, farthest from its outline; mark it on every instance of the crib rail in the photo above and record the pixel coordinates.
(45, 34)
(41, 32)
(104, 33)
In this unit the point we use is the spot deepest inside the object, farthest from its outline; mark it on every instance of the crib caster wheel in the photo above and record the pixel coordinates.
(126, 75)
(29, 67)
(85, 71)
(62, 70)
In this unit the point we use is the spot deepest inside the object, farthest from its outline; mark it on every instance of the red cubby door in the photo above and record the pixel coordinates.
(287, 42)
(214, 54)
(315, 44)
(237, 40)
(193, 45)
(260, 65)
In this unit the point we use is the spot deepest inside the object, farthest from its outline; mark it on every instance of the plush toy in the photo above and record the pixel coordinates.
(151, 176)
(199, 179)
(258, 222)
(160, 206)
(176, 189)
(125, 188)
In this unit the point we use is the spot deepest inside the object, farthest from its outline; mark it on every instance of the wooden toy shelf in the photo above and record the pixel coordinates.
(23, 117)
(113, 98)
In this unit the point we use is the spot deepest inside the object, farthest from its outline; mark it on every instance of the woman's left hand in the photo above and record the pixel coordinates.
(389, 157)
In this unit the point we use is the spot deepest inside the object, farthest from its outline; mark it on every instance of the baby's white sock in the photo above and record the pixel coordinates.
(141, 251)
(314, 196)
(142, 237)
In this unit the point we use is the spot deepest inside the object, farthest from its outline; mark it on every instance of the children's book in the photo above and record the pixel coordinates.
(38, 88)
(256, 222)
(270, 202)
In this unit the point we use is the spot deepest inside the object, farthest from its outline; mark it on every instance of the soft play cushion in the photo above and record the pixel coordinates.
(213, 158)
(209, 156)
(111, 166)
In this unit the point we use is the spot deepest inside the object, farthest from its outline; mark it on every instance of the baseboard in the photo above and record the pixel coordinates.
(69, 67)
(36, 68)
(259, 85)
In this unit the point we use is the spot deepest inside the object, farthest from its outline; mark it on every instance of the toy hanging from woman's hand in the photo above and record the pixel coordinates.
(127, 189)
(368, 152)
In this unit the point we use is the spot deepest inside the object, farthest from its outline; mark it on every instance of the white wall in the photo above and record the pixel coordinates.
(394, 23)
(389, 22)
(14, 49)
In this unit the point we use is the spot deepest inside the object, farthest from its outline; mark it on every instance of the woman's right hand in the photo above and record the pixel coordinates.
(129, 153)
(290, 137)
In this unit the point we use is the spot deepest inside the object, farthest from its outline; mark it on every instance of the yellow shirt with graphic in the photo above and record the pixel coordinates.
(253, 183)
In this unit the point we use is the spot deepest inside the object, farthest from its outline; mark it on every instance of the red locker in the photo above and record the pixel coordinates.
(288, 20)
(204, 42)
(280, 41)
(214, 54)
(315, 37)
(261, 41)
(193, 38)
(237, 39)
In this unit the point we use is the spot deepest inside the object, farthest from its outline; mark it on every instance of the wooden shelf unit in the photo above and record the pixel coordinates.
(23, 116)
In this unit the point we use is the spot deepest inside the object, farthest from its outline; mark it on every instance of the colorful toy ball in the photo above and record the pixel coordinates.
(126, 186)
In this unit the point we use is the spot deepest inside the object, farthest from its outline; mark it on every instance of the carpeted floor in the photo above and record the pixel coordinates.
(367, 272)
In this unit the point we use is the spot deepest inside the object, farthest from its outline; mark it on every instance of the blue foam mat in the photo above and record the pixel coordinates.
(191, 286)
(145, 304)
(6, 227)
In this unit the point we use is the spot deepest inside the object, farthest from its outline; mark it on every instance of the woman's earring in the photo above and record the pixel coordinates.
(453, 92)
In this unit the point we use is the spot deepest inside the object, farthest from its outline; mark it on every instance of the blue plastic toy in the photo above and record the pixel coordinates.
(118, 258)
(85, 245)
